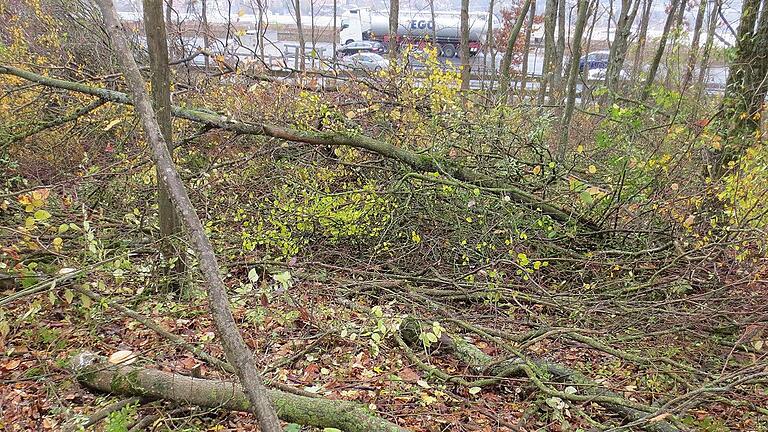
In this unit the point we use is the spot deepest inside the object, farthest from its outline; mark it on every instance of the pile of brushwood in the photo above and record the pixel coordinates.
(398, 255)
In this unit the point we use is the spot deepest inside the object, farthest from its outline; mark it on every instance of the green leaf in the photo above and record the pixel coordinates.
(475, 390)
(292, 427)
(586, 197)
(69, 296)
(253, 275)
(42, 215)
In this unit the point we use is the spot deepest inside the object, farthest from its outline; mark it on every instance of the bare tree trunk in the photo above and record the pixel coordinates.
(237, 352)
(711, 28)
(157, 46)
(312, 38)
(300, 29)
(394, 16)
(489, 45)
(660, 50)
(506, 62)
(620, 43)
(550, 16)
(261, 29)
(335, 34)
(526, 49)
(573, 73)
(642, 37)
(434, 23)
(560, 53)
(464, 45)
(694, 45)
(206, 31)
(675, 48)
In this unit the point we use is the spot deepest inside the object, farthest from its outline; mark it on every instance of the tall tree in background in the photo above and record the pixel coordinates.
(394, 16)
(673, 8)
(464, 45)
(237, 352)
(206, 31)
(713, 19)
(642, 37)
(618, 51)
(157, 46)
(300, 29)
(562, 31)
(694, 51)
(489, 45)
(527, 48)
(506, 62)
(550, 17)
(573, 73)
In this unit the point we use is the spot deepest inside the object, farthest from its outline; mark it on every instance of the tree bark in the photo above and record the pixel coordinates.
(416, 161)
(394, 17)
(620, 43)
(506, 61)
(527, 49)
(212, 394)
(660, 50)
(550, 16)
(711, 29)
(694, 52)
(206, 30)
(300, 30)
(573, 74)
(237, 352)
(464, 45)
(157, 46)
(560, 53)
(642, 38)
(489, 45)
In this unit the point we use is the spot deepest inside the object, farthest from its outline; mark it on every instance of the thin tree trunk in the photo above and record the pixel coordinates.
(573, 73)
(506, 62)
(489, 45)
(660, 50)
(157, 46)
(694, 45)
(237, 352)
(560, 53)
(620, 43)
(464, 45)
(335, 33)
(300, 29)
(394, 16)
(527, 49)
(714, 16)
(550, 16)
(206, 31)
(642, 38)
(434, 23)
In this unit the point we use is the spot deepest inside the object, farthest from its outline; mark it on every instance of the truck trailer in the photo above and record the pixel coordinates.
(414, 27)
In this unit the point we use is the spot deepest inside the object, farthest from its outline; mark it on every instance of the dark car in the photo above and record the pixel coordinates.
(594, 60)
(358, 47)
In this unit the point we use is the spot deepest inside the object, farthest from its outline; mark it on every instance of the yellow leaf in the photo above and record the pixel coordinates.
(580, 149)
(112, 124)
(537, 170)
(592, 169)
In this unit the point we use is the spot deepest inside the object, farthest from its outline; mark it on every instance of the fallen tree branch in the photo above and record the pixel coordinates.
(590, 391)
(131, 380)
(417, 162)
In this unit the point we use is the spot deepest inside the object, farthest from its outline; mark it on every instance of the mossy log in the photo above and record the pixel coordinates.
(482, 363)
(130, 380)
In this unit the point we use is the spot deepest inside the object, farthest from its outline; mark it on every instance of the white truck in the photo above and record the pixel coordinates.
(415, 27)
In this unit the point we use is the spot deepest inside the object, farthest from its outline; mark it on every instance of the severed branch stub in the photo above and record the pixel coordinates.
(95, 373)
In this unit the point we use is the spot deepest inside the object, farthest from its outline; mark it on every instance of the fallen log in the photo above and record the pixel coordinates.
(129, 380)
(590, 391)
(417, 162)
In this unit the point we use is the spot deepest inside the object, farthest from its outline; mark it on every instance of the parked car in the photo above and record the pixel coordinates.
(360, 47)
(367, 61)
(594, 60)
(600, 73)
